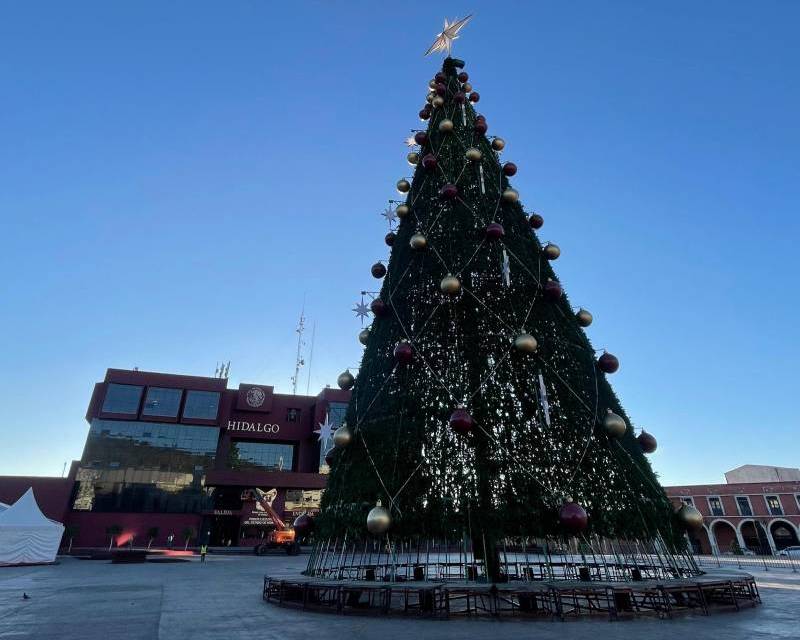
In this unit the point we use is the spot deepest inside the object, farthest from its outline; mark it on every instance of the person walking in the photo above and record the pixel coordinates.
(170, 539)
(203, 552)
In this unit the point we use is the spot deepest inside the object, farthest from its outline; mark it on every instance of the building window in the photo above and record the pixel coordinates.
(743, 504)
(122, 398)
(292, 415)
(687, 500)
(715, 506)
(201, 405)
(336, 412)
(260, 456)
(774, 506)
(797, 499)
(162, 402)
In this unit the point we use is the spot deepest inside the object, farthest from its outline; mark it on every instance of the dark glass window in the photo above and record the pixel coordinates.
(122, 398)
(715, 504)
(774, 505)
(688, 501)
(145, 467)
(744, 506)
(263, 456)
(292, 415)
(162, 402)
(201, 405)
(336, 413)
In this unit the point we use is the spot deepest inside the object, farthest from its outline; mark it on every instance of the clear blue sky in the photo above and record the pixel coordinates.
(175, 177)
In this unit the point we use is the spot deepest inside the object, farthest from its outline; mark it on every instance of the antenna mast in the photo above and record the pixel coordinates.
(311, 356)
(299, 362)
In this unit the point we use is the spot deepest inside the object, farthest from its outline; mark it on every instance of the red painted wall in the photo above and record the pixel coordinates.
(92, 527)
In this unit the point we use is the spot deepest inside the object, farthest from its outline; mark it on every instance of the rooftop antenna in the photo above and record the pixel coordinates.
(311, 356)
(299, 362)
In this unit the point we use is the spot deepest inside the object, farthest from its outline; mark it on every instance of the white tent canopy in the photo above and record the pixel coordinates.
(27, 536)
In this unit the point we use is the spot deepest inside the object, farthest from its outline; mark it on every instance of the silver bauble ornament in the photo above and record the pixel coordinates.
(614, 425)
(690, 517)
(446, 125)
(474, 154)
(450, 285)
(510, 195)
(413, 158)
(403, 185)
(584, 317)
(378, 519)
(438, 101)
(363, 336)
(418, 242)
(466, 87)
(551, 251)
(346, 380)
(342, 436)
(402, 210)
(498, 144)
(526, 343)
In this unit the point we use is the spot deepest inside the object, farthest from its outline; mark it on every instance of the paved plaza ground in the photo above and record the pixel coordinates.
(88, 600)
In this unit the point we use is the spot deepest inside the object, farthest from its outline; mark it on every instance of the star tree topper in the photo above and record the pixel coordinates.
(444, 41)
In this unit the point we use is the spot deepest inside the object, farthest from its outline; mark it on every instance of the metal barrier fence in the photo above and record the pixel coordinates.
(747, 561)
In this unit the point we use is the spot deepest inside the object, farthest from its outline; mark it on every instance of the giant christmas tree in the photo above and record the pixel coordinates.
(481, 409)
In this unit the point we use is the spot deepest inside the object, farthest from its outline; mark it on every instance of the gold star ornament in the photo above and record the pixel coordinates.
(444, 41)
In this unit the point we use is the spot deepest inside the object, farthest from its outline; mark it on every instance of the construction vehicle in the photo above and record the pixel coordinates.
(279, 534)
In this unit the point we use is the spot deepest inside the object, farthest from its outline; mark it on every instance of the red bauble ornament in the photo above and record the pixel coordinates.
(552, 291)
(509, 169)
(421, 138)
(379, 308)
(647, 442)
(463, 76)
(448, 192)
(403, 353)
(459, 97)
(303, 525)
(441, 89)
(536, 221)
(495, 231)
(378, 270)
(608, 363)
(461, 421)
(480, 118)
(480, 127)
(573, 517)
(474, 96)
(429, 162)
(424, 114)
(329, 456)
(440, 78)
(390, 238)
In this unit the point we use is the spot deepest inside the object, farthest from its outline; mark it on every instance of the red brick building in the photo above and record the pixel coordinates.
(758, 508)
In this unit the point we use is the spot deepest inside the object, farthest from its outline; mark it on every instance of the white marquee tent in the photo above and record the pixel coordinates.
(27, 536)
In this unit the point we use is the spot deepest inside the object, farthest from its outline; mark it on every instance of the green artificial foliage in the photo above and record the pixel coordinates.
(508, 477)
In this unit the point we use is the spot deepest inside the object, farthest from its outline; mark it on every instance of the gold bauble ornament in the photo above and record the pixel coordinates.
(450, 285)
(474, 154)
(584, 317)
(510, 195)
(402, 210)
(342, 436)
(363, 336)
(438, 101)
(403, 185)
(690, 517)
(466, 87)
(378, 519)
(412, 157)
(345, 380)
(526, 343)
(429, 98)
(551, 251)
(432, 84)
(418, 242)
(446, 125)
(614, 425)
(498, 144)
